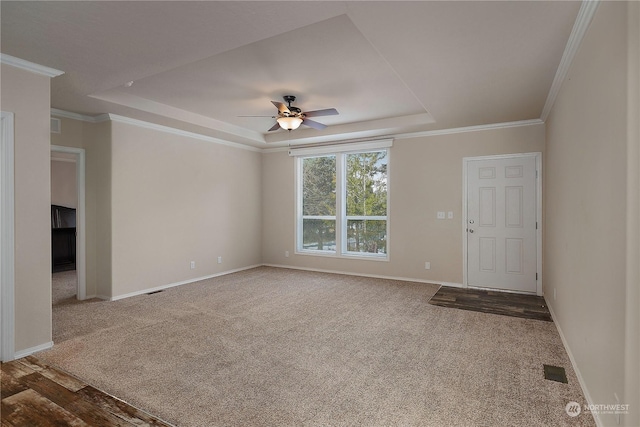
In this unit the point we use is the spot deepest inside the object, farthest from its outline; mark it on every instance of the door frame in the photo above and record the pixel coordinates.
(538, 159)
(81, 246)
(7, 230)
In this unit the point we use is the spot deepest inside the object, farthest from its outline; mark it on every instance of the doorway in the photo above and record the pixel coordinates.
(502, 242)
(68, 157)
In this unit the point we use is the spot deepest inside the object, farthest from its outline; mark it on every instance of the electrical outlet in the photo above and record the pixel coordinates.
(286, 254)
(219, 260)
(441, 215)
(193, 265)
(427, 265)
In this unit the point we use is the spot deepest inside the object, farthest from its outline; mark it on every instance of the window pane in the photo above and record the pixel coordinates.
(367, 236)
(319, 234)
(319, 186)
(366, 179)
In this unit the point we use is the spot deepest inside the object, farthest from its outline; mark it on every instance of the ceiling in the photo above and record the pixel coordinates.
(388, 67)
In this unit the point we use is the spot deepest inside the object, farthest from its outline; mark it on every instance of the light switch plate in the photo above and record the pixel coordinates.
(450, 215)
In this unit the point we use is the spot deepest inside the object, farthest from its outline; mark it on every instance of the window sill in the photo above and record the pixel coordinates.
(356, 256)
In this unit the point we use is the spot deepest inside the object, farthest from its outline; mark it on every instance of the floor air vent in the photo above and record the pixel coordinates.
(155, 292)
(555, 373)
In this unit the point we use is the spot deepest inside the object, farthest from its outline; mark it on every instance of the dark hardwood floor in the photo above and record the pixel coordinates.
(34, 394)
(508, 304)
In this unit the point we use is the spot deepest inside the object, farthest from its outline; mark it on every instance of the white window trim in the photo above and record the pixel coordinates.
(355, 147)
(341, 218)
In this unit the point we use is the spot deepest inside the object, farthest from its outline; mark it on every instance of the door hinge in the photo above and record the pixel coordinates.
(536, 276)
(536, 225)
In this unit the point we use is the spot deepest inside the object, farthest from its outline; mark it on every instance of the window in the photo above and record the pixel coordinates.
(319, 203)
(343, 203)
(366, 202)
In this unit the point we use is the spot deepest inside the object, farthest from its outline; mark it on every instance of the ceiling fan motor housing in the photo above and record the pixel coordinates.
(293, 111)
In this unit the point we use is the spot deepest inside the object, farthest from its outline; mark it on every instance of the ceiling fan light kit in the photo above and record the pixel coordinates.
(289, 123)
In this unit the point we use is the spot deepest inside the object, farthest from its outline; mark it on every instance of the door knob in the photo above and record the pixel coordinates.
(470, 230)
(470, 221)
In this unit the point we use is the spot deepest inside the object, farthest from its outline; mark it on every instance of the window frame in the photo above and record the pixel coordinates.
(341, 217)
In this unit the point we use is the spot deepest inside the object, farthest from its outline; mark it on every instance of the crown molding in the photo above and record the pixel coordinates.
(74, 116)
(167, 129)
(477, 128)
(29, 66)
(179, 132)
(147, 125)
(438, 132)
(583, 20)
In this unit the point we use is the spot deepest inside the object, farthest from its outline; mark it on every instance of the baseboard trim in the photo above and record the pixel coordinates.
(374, 276)
(583, 386)
(172, 285)
(31, 350)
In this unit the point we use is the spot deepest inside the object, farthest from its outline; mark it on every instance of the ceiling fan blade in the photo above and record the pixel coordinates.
(313, 124)
(281, 107)
(274, 127)
(325, 112)
(273, 117)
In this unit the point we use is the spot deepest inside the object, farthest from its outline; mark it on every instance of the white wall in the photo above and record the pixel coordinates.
(425, 176)
(586, 200)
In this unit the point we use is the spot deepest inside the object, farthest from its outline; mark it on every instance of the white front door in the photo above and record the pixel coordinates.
(501, 223)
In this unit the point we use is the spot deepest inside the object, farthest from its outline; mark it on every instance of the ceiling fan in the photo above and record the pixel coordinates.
(290, 118)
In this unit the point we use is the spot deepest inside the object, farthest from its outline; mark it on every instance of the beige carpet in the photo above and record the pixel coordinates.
(64, 287)
(278, 347)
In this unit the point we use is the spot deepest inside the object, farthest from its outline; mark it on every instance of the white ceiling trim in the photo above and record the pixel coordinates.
(29, 66)
(438, 132)
(174, 131)
(465, 129)
(165, 110)
(122, 119)
(583, 20)
(74, 116)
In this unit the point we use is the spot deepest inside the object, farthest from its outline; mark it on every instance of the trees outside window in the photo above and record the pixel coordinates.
(319, 203)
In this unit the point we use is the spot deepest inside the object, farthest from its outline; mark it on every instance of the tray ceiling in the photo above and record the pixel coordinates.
(387, 67)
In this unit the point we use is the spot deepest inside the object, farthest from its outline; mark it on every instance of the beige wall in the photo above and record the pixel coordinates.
(97, 143)
(177, 199)
(156, 201)
(425, 176)
(64, 191)
(72, 133)
(632, 324)
(95, 139)
(585, 246)
(27, 95)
